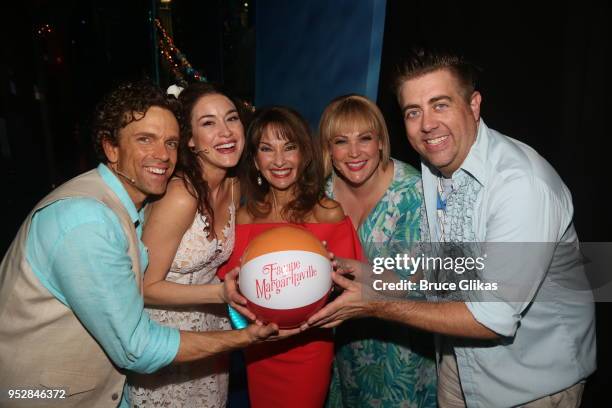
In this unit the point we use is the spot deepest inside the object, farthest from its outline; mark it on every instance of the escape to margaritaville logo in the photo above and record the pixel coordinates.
(277, 276)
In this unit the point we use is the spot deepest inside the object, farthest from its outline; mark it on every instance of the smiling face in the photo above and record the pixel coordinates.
(356, 154)
(145, 153)
(278, 159)
(440, 124)
(217, 132)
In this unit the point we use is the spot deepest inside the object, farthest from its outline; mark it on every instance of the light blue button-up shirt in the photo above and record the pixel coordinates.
(548, 332)
(78, 250)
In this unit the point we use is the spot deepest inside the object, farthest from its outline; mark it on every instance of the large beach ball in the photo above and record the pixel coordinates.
(285, 275)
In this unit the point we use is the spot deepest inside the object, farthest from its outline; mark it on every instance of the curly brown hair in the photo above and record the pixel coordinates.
(123, 105)
(289, 125)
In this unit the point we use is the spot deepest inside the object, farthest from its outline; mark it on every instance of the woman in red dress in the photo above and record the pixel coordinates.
(283, 184)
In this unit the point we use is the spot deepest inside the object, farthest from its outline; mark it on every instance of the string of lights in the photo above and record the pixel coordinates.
(171, 54)
(176, 60)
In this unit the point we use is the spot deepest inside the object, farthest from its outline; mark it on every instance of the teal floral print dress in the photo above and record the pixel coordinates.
(379, 363)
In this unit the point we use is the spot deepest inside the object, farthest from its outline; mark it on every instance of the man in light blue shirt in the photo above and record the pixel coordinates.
(71, 306)
(531, 343)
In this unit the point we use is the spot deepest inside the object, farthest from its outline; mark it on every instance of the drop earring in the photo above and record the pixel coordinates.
(259, 180)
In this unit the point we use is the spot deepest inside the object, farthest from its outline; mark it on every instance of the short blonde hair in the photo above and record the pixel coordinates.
(350, 112)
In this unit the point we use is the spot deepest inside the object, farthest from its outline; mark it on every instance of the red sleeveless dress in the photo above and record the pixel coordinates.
(294, 372)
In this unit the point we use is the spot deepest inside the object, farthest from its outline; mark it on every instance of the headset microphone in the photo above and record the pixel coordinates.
(205, 151)
(125, 176)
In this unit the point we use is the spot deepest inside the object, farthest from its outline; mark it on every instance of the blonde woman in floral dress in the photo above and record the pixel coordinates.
(378, 363)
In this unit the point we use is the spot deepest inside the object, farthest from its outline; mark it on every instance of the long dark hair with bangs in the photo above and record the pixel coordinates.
(189, 168)
(289, 125)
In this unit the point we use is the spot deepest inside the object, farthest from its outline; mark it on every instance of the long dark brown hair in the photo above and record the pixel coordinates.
(288, 125)
(189, 167)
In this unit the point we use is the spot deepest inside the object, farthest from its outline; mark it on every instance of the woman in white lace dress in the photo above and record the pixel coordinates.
(189, 233)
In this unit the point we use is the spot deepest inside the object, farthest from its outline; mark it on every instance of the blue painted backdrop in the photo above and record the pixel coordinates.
(310, 51)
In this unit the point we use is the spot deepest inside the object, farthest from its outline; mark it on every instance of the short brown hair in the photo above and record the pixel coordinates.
(290, 125)
(349, 112)
(424, 61)
(125, 104)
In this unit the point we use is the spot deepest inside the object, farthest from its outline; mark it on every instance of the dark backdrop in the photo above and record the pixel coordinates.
(56, 60)
(59, 57)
